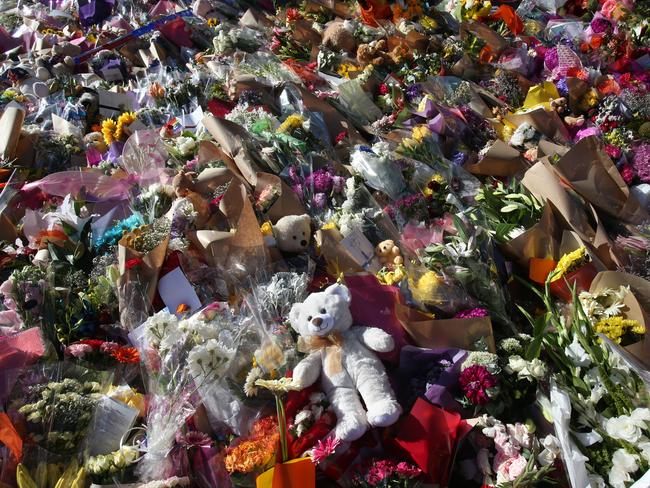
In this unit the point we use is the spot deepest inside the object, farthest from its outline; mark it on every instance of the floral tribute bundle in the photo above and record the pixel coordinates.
(319, 243)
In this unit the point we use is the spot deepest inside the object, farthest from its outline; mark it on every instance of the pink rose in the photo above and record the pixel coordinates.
(510, 468)
(612, 9)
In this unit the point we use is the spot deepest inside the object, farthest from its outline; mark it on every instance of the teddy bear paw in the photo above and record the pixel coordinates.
(350, 429)
(384, 413)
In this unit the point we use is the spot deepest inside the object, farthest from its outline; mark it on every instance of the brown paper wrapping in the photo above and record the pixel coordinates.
(209, 151)
(232, 139)
(500, 160)
(10, 124)
(431, 333)
(338, 258)
(241, 250)
(545, 122)
(593, 175)
(544, 184)
(637, 303)
(483, 32)
(542, 240)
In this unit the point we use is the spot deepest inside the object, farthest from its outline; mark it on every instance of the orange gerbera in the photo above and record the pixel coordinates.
(127, 355)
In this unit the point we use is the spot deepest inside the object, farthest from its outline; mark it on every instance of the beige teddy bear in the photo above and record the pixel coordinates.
(389, 254)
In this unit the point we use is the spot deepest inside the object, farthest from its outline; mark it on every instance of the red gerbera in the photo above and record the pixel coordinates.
(127, 355)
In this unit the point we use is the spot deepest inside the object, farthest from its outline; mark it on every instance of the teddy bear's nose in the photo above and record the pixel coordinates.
(303, 242)
(317, 321)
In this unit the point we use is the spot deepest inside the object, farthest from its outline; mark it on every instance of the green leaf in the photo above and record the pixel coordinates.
(511, 207)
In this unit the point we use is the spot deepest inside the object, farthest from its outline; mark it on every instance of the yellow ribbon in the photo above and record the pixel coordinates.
(332, 344)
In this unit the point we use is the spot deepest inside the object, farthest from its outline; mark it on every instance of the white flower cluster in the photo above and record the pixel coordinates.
(604, 304)
(168, 483)
(112, 463)
(245, 115)
(210, 360)
(530, 370)
(482, 358)
(162, 332)
(306, 417)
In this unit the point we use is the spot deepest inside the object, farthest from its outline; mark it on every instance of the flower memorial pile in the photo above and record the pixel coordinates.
(319, 243)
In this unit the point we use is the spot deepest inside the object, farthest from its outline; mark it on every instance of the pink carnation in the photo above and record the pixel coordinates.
(408, 470)
(78, 350)
(109, 347)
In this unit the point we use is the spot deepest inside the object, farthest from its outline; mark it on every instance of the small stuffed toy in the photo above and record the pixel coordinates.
(388, 253)
(339, 37)
(293, 233)
(341, 355)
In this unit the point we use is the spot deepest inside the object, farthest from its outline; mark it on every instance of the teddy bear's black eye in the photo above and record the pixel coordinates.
(303, 233)
(294, 237)
(309, 319)
(322, 310)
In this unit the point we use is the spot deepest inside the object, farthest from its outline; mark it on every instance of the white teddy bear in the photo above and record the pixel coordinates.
(342, 356)
(293, 233)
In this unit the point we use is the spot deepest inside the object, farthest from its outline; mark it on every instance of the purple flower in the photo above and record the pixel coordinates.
(641, 162)
(413, 92)
(600, 25)
(472, 313)
(320, 180)
(551, 59)
(562, 87)
(319, 201)
(475, 381)
(459, 158)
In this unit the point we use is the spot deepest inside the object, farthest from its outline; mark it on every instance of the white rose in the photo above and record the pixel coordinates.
(623, 463)
(537, 369)
(642, 414)
(597, 393)
(302, 416)
(517, 363)
(624, 428)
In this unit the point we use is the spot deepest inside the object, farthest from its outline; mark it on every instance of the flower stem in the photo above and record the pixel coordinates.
(282, 426)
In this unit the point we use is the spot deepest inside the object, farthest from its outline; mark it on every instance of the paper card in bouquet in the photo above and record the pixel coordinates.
(11, 123)
(432, 333)
(297, 473)
(175, 291)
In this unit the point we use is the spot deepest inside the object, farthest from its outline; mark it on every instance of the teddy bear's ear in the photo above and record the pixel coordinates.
(340, 290)
(294, 314)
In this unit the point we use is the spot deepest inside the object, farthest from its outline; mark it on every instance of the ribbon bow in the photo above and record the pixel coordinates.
(331, 344)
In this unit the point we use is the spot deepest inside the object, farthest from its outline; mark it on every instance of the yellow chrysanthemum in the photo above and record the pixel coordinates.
(212, 22)
(109, 127)
(329, 225)
(421, 132)
(425, 288)
(428, 23)
(345, 69)
(267, 229)
(569, 262)
(291, 123)
(123, 121)
(616, 327)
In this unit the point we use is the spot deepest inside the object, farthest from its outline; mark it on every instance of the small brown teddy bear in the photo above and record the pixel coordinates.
(376, 53)
(338, 38)
(559, 104)
(389, 254)
(183, 183)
